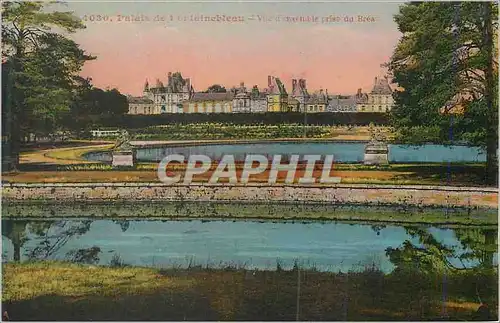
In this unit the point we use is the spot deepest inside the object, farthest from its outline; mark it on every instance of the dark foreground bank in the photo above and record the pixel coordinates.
(62, 291)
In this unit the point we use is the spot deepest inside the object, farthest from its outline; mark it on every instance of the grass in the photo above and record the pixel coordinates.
(252, 211)
(75, 153)
(43, 158)
(62, 291)
(395, 174)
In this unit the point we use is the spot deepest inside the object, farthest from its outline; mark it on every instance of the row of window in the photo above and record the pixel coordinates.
(378, 108)
(381, 99)
(315, 108)
(142, 110)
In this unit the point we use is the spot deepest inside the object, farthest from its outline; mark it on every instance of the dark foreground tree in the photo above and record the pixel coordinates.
(40, 65)
(446, 65)
(91, 107)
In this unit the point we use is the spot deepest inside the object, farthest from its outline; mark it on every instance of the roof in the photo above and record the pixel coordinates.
(199, 96)
(363, 98)
(381, 86)
(136, 99)
(317, 98)
(277, 87)
(343, 102)
(260, 96)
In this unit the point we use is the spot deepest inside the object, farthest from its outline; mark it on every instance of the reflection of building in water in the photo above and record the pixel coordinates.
(378, 100)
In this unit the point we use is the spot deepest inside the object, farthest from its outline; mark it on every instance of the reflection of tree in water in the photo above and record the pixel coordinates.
(52, 235)
(478, 244)
(15, 231)
(124, 224)
(378, 228)
(432, 258)
(56, 236)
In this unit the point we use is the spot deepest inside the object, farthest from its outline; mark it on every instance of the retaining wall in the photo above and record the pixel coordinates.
(338, 194)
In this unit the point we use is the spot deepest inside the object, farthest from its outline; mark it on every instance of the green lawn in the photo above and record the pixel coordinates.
(61, 291)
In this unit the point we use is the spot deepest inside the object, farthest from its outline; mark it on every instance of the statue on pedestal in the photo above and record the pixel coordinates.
(376, 151)
(123, 151)
(123, 142)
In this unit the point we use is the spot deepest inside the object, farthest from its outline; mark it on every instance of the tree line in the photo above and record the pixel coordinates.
(446, 65)
(42, 90)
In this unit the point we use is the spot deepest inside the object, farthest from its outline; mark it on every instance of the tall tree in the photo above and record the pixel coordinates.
(41, 66)
(446, 65)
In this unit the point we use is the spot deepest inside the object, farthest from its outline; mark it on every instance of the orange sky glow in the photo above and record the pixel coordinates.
(339, 57)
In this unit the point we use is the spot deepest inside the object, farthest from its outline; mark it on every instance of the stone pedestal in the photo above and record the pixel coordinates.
(124, 158)
(376, 153)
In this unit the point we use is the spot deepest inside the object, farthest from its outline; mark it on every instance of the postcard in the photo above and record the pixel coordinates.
(249, 161)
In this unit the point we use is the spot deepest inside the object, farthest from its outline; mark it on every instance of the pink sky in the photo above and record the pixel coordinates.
(340, 58)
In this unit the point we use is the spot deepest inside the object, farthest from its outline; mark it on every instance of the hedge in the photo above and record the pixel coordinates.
(270, 118)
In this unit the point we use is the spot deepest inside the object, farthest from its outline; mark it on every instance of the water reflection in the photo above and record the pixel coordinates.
(326, 246)
(476, 248)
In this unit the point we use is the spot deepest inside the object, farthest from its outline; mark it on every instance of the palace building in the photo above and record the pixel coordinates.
(277, 97)
(379, 99)
(299, 93)
(210, 103)
(169, 98)
(241, 101)
(178, 96)
(317, 102)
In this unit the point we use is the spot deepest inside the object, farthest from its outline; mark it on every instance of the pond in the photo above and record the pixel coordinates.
(327, 246)
(342, 151)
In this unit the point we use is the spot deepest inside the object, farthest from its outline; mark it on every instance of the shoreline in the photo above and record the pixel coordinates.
(354, 202)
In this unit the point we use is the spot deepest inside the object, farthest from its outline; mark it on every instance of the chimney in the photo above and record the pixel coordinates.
(269, 81)
(303, 84)
(359, 93)
(375, 81)
(169, 78)
(294, 85)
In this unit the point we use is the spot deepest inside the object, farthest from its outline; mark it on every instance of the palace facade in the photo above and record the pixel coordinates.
(277, 97)
(178, 96)
(379, 99)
